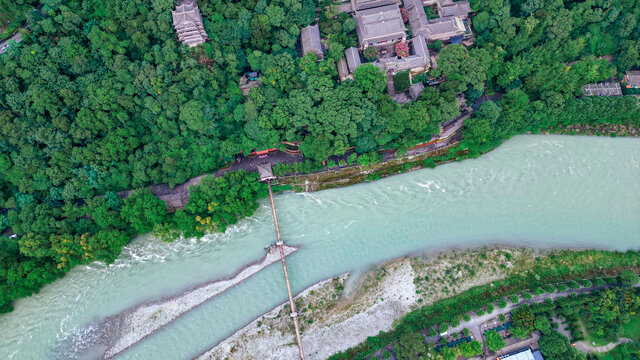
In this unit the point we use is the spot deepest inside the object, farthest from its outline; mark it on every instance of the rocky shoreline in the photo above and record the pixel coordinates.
(333, 320)
(119, 332)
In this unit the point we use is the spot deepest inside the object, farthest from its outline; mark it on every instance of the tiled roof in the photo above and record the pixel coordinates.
(310, 40)
(380, 24)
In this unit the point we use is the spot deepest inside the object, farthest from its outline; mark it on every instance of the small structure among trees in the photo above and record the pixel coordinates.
(310, 41)
(266, 174)
(187, 21)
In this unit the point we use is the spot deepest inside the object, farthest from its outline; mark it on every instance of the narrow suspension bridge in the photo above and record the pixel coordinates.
(266, 175)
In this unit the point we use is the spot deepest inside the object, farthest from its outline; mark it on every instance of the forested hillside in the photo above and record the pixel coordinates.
(12, 14)
(541, 53)
(100, 97)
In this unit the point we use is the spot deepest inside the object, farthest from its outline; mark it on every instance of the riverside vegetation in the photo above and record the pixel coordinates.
(602, 314)
(100, 98)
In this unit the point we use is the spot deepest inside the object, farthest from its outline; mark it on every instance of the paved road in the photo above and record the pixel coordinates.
(179, 195)
(15, 37)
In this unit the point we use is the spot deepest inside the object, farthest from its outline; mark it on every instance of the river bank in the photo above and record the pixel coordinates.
(395, 165)
(119, 332)
(336, 320)
(543, 191)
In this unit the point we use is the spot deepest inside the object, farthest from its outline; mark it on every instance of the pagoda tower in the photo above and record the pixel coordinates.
(187, 21)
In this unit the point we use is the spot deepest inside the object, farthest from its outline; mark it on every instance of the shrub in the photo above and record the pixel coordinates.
(466, 332)
(371, 54)
(598, 282)
(386, 354)
(455, 322)
(466, 317)
(443, 341)
(490, 308)
(549, 289)
(402, 49)
(527, 295)
(443, 327)
(502, 318)
(515, 299)
(369, 158)
(574, 285)
(494, 341)
(432, 332)
(538, 291)
(628, 277)
(586, 283)
(352, 158)
(455, 335)
(429, 163)
(479, 312)
(542, 323)
(562, 287)
(401, 80)
(502, 303)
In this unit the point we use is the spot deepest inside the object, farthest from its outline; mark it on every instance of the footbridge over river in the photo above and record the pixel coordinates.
(266, 175)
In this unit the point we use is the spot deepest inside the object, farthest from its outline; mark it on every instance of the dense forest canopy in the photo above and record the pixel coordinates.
(101, 97)
(13, 14)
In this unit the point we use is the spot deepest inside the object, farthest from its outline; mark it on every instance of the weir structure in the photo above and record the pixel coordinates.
(266, 175)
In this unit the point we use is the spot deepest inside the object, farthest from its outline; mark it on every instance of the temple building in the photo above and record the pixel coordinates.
(310, 41)
(418, 60)
(353, 58)
(187, 21)
(379, 26)
(450, 23)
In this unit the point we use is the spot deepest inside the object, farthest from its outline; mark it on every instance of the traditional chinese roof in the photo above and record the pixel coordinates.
(460, 9)
(368, 4)
(415, 90)
(379, 25)
(310, 40)
(187, 22)
(343, 69)
(419, 59)
(442, 29)
(353, 58)
(417, 16)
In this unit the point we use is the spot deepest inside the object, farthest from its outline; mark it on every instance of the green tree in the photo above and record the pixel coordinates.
(541, 323)
(629, 277)
(494, 341)
(555, 346)
(370, 79)
(143, 210)
(455, 63)
(410, 346)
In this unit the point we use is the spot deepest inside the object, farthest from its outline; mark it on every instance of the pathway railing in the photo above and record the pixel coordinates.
(280, 244)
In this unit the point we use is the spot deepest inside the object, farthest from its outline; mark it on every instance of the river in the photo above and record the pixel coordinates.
(539, 191)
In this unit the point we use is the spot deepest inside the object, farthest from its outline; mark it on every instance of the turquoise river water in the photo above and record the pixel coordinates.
(539, 191)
